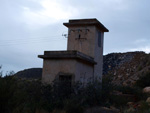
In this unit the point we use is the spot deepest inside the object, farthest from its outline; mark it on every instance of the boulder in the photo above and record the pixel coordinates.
(130, 104)
(148, 100)
(146, 89)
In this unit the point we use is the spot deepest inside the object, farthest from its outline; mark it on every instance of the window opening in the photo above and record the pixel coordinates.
(65, 80)
(99, 39)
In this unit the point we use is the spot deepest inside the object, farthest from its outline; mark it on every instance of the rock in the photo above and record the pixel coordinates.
(125, 68)
(130, 110)
(148, 100)
(146, 90)
(130, 104)
(114, 109)
(124, 84)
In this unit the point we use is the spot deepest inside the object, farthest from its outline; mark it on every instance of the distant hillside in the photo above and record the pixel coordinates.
(32, 73)
(126, 68)
(114, 60)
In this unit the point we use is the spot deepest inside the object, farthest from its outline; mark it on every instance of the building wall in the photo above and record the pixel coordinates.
(88, 46)
(98, 55)
(85, 43)
(84, 72)
(52, 68)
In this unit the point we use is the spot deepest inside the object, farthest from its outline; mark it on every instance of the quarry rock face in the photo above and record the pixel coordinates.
(126, 68)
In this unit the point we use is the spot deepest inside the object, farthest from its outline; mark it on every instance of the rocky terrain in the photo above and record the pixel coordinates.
(126, 68)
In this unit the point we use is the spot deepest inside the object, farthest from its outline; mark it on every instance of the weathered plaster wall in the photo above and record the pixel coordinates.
(86, 45)
(84, 72)
(98, 56)
(53, 67)
(80, 71)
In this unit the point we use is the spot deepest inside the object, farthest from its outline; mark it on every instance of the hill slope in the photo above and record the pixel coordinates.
(32, 73)
(126, 68)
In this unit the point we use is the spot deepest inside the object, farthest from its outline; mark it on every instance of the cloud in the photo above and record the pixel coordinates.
(139, 41)
(26, 23)
(145, 49)
(51, 13)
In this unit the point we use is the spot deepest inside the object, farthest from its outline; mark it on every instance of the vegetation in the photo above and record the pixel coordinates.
(19, 96)
(29, 95)
(144, 80)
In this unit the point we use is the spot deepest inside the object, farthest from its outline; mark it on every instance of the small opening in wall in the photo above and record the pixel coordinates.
(65, 80)
(99, 39)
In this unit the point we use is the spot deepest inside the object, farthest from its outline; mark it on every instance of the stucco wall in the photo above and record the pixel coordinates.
(53, 67)
(86, 45)
(84, 72)
(98, 56)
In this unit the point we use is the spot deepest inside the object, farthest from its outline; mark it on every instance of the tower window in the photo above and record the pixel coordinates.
(99, 39)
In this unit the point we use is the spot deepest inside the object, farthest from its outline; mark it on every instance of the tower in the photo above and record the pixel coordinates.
(83, 59)
(87, 36)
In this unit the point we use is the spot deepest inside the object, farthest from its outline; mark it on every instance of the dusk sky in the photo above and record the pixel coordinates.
(29, 27)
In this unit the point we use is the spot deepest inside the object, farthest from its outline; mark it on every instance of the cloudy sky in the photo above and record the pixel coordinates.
(28, 27)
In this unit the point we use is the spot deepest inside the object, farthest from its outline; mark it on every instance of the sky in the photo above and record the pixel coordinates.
(29, 27)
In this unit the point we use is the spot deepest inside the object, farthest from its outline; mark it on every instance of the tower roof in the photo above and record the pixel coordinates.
(86, 22)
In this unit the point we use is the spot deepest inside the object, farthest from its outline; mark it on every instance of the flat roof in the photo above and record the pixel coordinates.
(86, 22)
(67, 55)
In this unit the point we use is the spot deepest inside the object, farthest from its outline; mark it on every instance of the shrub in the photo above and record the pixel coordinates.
(118, 100)
(72, 106)
(144, 80)
(142, 108)
(107, 88)
(28, 95)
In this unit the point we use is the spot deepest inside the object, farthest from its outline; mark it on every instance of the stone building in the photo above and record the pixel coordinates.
(83, 59)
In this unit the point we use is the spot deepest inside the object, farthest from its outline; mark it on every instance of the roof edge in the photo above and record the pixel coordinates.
(86, 22)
